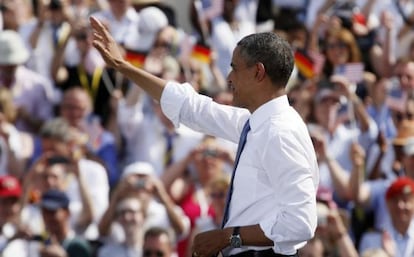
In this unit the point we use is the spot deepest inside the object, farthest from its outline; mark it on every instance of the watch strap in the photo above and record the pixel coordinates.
(236, 231)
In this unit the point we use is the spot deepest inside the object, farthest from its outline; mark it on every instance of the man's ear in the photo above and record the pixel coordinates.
(260, 71)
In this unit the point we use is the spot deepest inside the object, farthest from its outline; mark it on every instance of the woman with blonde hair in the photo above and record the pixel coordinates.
(340, 47)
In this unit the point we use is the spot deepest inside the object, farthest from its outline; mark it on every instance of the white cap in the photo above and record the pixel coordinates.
(151, 21)
(138, 168)
(12, 49)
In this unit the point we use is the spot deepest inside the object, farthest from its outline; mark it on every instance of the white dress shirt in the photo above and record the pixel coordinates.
(277, 175)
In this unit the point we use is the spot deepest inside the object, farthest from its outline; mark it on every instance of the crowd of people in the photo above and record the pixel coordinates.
(90, 165)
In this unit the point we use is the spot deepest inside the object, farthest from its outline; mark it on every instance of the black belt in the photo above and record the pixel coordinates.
(262, 253)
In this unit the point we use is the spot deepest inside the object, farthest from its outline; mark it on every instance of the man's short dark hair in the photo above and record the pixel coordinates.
(158, 231)
(272, 51)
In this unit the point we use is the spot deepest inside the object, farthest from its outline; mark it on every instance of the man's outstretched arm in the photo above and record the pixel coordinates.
(109, 49)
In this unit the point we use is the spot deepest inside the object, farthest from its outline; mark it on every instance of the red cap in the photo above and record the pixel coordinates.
(9, 187)
(402, 185)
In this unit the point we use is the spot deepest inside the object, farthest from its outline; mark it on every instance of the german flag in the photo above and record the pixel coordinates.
(135, 58)
(201, 53)
(304, 64)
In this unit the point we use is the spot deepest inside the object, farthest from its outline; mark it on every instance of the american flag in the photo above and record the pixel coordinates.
(352, 71)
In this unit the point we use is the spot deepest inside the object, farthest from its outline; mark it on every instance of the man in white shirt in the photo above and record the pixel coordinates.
(272, 208)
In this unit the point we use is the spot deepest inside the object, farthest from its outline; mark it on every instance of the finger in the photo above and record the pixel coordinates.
(99, 27)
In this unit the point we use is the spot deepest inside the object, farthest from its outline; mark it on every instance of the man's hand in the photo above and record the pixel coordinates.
(210, 243)
(105, 44)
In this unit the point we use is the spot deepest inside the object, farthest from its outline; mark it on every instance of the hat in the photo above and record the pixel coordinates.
(151, 21)
(402, 185)
(54, 199)
(12, 49)
(405, 131)
(9, 187)
(138, 168)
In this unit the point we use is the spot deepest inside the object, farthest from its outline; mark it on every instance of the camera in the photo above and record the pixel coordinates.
(210, 152)
(141, 184)
(55, 5)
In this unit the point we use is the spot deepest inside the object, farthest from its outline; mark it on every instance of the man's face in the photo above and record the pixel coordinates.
(326, 111)
(55, 219)
(401, 208)
(241, 80)
(9, 208)
(75, 107)
(130, 214)
(157, 246)
(7, 74)
(405, 74)
(54, 177)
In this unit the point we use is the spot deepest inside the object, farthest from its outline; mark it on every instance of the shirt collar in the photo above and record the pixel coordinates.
(271, 108)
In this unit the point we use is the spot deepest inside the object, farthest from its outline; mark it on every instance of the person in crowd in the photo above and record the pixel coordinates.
(31, 92)
(261, 66)
(58, 138)
(10, 19)
(88, 73)
(371, 194)
(49, 31)
(333, 137)
(399, 198)
(130, 215)
(58, 173)
(140, 181)
(159, 241)
(76, 108)
(189, 181)
(121, 19)
(10, 206)
(60, 240)
(15, 145)
(226, 31)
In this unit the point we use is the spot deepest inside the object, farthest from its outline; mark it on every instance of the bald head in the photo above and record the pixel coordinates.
(76, 105)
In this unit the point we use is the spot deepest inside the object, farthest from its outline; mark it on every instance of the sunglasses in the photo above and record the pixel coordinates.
(220, 195)
(148, 253)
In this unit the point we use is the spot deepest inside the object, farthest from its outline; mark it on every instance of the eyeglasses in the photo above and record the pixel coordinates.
(219, 195)
(148, 253)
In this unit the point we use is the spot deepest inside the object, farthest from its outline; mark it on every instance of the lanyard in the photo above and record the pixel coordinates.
(96, 78)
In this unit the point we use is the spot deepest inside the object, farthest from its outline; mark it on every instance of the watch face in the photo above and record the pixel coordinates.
(235, 241)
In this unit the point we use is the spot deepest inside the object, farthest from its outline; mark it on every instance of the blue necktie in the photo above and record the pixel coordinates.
(168, 155)
(242, 142)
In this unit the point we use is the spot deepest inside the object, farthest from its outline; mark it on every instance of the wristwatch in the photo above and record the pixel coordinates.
(235, 239)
